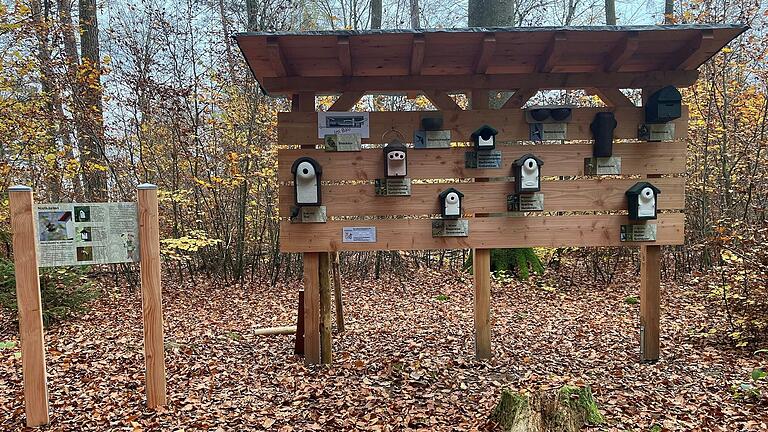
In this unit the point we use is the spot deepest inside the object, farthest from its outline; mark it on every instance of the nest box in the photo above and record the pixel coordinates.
(306, 181)
(484, 138)
(450, 203)
(663, 105)
(527, 171)
(641, 201)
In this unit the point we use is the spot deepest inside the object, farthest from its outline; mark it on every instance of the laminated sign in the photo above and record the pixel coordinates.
(86, 233)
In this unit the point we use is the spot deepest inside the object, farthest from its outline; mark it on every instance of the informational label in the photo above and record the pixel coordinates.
(334, 123)
(310, 214)
(638, 233)
(358, 235)
(432, 139)
(393, 187)
(656, 132)
(526, 202)
(450, 228)
(548, 131)
(342, 143)
(602, 166)
(86, 233)
(483, 159)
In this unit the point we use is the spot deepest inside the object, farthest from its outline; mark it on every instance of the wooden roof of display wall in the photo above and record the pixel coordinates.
(490, 58)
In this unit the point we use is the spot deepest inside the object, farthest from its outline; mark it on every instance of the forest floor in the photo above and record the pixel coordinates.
(405, 361)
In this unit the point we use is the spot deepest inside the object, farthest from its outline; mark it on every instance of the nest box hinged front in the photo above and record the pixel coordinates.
(661, 108)
(485, 155)
(432, 134)
(308, 206)
(450, 224)
(548, 123)
(395, 181)
(602, 161)
(527, 196)
(642, 204)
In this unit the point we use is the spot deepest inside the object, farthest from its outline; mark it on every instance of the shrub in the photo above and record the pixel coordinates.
(64, 291)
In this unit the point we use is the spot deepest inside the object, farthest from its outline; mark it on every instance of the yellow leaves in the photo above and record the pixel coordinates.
(729, 257)
(181, 247)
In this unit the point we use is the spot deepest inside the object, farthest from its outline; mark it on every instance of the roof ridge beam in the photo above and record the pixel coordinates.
(622, 52)
(552, 53)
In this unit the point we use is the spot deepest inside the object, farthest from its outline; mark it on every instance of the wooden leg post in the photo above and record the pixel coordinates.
(151, 294)
(298, 347)
(481, 266)
(650, 281)
(337, 291)
(326, 339)
(30, 307)
(311, 308)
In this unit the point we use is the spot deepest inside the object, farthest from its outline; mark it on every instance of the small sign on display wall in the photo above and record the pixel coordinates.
(358, 235)
(86, 233)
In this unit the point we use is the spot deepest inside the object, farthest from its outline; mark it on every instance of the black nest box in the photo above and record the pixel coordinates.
(663, 105)
(484, 138)
(527, 171)
(395, 159)
(450, 203)
(602, 130)
(642, 201)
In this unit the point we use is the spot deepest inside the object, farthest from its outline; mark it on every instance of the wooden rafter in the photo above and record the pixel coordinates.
(345, 55)
(519, 98)
(276, 57)
(417, 54)
(687, 55)
(346, 101)
(487, 49)
(552, 53)
(622, 52)
(334, 85)
(612, 97)
(441, 100)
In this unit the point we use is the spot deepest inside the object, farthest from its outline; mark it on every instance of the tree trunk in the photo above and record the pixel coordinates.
(610, 12)
(564, 410)
(251, 8)
(415, 14)
(669, 11)
(490, 13)
(91, 128)
(376, 14)
(72, 64)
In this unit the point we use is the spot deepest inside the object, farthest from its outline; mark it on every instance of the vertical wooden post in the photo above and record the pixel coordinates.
(151, 294)
(337, 291)
(311, 307)
(298, 347)
(30, 307)
(650, 297)
(481, 267)
(479, 99)
(326, 339)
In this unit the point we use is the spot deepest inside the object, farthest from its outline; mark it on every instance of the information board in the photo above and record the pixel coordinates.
(86, 233)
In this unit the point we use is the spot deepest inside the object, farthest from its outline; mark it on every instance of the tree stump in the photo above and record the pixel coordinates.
(563, 410)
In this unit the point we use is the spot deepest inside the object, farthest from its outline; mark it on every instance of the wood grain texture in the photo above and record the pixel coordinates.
(484, 233)
(30, 308)
(481, 268)
(336, 270)
(298, 347)
(326, 339)
(300, 128)
(650, 301)
(311, 307)
(151, 296)
(559, 160)
(604, 194)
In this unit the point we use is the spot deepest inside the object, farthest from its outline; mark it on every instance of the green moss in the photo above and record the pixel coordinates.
(508, 408)
(585, 401)
(631, 300)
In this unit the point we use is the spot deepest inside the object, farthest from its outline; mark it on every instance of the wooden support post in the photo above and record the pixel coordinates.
(479, 99)
(650, 298)
(337, 290)
(298, 347)
(30, 307)
(311, 308)
(481, 267)
(151, 294)
(326, 338)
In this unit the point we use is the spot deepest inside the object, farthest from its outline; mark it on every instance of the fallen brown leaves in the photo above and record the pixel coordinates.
(405, 362)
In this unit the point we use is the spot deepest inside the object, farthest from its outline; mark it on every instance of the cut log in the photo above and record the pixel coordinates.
(563, 410)
(275, 331)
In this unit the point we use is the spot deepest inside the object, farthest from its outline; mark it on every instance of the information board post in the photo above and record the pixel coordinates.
(30, 307)
(151, 294)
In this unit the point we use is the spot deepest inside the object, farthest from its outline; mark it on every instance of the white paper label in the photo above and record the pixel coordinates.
(359, 234)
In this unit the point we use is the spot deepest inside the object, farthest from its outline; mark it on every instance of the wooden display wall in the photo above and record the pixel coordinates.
(578, 210)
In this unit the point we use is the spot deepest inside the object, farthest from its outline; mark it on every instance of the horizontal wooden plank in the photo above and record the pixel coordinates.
(486, 232)
(559, 160)
(605, 194)
(296, 128)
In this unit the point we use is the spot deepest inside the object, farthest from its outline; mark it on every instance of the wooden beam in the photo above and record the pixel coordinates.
(298, 347)
(29, 306)
(336, 270)
(326, 339)
(303, 101)
(346, 101)
(417, 54)
(345, 55)
(650, 300)
(279, 65)
(613, 97)
(404, 83)
(552, 53)
(690, 54)
(442, 100)
(622, 52)
(481, 268)
(487, 48)
(519, 98)
(311, 307)
(479, 99)
(484, 233)
(151, 294)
